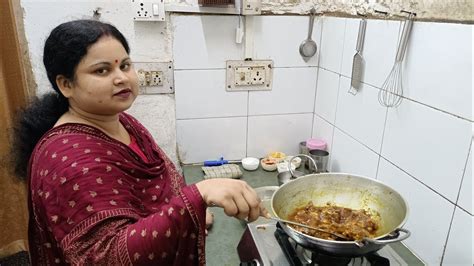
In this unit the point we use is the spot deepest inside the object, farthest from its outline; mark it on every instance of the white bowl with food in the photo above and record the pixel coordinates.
(277, 156)
(268, 164)
(250, 163)
(296, 161)
(283, 166)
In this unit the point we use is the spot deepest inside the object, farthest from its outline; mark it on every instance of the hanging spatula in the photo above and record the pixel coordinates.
(358, 61)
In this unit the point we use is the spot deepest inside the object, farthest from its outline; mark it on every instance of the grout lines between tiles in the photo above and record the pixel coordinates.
(381, 143)
(406, 99)
(350, 136)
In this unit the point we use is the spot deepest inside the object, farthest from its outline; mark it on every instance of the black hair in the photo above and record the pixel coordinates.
(66, 45)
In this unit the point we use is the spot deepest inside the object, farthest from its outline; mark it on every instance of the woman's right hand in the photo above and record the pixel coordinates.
(236, 197)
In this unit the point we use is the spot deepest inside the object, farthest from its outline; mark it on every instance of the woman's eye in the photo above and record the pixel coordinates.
(101, 71)
(125, 66)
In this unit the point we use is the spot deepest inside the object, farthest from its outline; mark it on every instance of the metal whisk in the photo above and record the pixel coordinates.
(392, 89)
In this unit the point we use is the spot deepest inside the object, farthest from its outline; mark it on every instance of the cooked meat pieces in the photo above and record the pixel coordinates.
(354, 224)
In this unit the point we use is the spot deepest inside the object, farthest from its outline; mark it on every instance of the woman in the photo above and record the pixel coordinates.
(100, 189)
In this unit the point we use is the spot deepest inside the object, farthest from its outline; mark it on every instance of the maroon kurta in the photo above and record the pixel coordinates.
(93, 200)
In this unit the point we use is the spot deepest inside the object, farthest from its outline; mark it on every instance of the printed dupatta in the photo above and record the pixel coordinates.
(92, 200)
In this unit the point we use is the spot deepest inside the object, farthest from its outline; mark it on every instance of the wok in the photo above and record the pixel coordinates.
(344, 190)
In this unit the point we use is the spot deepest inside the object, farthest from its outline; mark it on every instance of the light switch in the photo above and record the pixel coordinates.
(156, 10)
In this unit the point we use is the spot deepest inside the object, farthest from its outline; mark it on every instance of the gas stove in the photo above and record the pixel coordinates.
(267, 244)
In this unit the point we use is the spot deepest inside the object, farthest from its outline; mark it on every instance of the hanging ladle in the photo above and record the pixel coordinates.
(308, 47)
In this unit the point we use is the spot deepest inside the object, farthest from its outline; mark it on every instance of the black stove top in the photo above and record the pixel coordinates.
(315, 257)
(267, 244)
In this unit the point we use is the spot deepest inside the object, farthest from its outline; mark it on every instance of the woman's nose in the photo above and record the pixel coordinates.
(120, 76)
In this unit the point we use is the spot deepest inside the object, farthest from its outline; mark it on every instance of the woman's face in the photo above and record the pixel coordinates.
(105, 82)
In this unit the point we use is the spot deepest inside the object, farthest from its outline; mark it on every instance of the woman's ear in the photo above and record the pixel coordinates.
(64, 85)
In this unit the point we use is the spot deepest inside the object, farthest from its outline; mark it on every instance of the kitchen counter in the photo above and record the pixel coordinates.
(225, 234)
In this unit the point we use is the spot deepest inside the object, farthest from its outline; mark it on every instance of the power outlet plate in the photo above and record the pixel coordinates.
(155, 78)
(249, 75)
(148, 10)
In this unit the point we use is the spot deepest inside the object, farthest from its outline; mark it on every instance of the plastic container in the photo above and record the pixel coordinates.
(316, 144)
(250, 163)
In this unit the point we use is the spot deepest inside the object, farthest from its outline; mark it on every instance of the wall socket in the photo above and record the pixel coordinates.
(148, 10)
(155, 78)
(249, 75)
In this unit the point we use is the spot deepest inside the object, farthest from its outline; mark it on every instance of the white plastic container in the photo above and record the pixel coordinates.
(250, 163)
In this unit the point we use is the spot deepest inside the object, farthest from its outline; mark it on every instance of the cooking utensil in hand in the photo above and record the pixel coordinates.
(307, 226)
(308, 47)
(358, 61)
(392, 89)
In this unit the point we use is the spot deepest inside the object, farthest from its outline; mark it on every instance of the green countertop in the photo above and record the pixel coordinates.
(225, 234)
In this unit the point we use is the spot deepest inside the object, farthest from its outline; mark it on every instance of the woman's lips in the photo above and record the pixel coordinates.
(124, 93)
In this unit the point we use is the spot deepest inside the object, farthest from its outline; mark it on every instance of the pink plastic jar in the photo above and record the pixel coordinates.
(316, 144)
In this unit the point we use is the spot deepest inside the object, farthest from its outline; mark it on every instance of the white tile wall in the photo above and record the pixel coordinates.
(204, 41)
(361, 115)
(439, 66)
(423, 143)
(465, 195)
(429, 214)
(380, 47)
(209, 139)
(293, 92)
(277, 133)
(326, 95)
(331, 44)
(349, 156)
(459, 249)
(428, 144)
(201, 93)
(323, 130)
(279, 37)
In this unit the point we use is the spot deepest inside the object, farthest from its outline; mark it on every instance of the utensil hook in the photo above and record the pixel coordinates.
(402, 45)
(311, 22)
(299, 155)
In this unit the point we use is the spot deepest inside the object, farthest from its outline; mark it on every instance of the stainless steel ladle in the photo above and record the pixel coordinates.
(308, 47)
(307, 226)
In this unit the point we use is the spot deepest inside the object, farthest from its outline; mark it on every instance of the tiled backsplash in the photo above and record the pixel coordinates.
(422, 148)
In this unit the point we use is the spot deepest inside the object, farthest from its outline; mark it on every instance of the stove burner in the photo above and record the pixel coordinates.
(312, 257)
